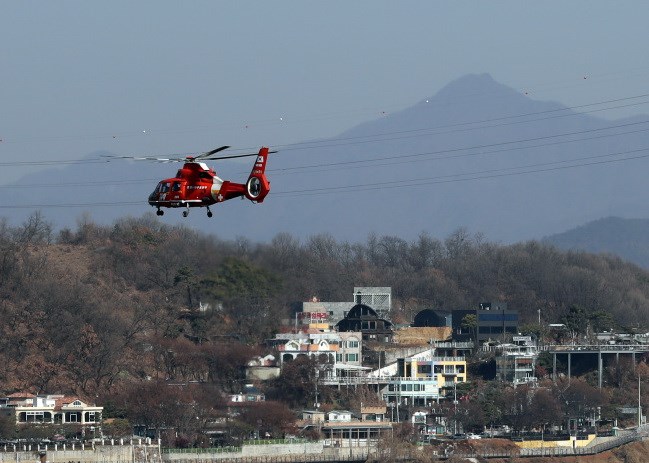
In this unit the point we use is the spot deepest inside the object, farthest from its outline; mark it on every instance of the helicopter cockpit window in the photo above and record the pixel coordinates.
(176, 186)
(164, 187)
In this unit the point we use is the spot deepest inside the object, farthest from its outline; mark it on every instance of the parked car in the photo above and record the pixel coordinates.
(473, 436)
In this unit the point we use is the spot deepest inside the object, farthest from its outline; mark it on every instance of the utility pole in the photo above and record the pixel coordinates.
(639, 406)
(454, 407)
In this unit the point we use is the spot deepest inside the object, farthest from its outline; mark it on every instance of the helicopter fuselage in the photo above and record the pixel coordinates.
(197, 185)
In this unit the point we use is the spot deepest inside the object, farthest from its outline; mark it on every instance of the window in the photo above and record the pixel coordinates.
(339, 357)
(34, 417)
(351, 357)
(424, 369)
(352, 344)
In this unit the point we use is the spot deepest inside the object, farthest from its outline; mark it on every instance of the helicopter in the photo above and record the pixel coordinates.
(197, 185)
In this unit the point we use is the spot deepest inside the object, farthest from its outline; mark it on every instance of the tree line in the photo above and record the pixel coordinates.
(101, 310)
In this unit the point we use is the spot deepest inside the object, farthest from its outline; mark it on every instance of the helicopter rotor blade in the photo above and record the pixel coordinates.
(210, 153)
(207, 156)
(142, 158)
(235, 156)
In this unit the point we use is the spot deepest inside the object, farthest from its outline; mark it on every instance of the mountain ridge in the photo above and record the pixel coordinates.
(626, 238)
(476, 155)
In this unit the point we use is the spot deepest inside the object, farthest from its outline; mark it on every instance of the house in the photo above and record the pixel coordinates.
(249, 394)
(340, 428)
(425, 378)
(364, 319)
(373, 412)
(339, 415)
(313, 416)
(55, 409)
(262, 368)
(337, 354)
(492, 321)
(321, 347)
(516, 362)
(431, 318)
(410, 391)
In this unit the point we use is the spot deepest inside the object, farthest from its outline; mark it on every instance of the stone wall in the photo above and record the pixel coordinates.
(89, 454)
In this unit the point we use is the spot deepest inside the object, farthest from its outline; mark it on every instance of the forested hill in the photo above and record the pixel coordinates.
(97, 307)
(627, 238)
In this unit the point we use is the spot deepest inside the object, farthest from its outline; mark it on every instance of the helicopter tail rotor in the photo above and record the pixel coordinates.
(258, 186)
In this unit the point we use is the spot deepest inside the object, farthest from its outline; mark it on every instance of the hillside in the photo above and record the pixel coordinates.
(94, 309)
(477, 154)
(626, 238)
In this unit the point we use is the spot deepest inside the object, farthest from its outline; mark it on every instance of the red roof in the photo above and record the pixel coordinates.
(58, 403)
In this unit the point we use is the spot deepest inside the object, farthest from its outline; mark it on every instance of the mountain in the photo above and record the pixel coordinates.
(626, 238)
(477, 154)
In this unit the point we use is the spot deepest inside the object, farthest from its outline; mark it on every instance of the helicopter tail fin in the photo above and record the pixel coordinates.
(258, 186)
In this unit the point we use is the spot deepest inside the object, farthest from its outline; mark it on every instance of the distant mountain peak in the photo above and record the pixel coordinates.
(474, 85)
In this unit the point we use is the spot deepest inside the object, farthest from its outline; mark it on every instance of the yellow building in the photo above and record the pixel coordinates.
(445, 371)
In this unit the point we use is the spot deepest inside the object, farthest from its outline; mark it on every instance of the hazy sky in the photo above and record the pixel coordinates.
(162, 77)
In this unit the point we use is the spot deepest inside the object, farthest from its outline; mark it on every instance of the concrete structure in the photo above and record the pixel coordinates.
(324, 315)
(600, 352)
(106, 451)
(379, 298)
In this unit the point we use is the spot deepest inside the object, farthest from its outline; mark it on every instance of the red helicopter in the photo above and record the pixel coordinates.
(197, 185)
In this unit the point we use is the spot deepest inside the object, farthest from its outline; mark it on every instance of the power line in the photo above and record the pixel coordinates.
(434, 155)
(68, 205)
(479, 175)
(322, 143)
(388, 136)
(409, 183)
(399, 158)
